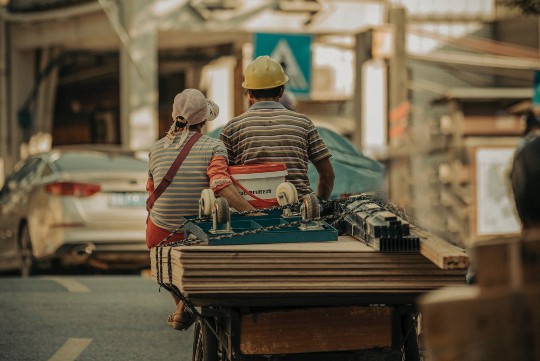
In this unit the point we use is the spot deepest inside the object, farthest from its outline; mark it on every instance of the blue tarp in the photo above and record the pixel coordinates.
(355, 173)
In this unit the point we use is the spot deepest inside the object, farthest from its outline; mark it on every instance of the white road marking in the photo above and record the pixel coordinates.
(69, 284)
(71, 349)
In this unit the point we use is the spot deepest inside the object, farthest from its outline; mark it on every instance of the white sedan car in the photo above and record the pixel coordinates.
(74, 207)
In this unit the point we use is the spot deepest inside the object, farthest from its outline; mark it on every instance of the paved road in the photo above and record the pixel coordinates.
(106, 317)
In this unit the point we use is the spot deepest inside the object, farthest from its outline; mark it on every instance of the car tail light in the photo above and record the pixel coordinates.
(73, 189)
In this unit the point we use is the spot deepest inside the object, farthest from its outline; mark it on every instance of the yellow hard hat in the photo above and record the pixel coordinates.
(264, 73)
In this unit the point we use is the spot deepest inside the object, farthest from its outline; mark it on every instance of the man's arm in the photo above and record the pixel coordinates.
(234, 198)
(326, 178)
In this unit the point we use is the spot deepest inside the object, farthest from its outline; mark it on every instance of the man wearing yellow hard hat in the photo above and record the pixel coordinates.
(268, 132)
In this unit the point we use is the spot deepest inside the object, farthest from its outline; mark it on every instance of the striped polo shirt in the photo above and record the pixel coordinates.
(268, 132)
(181, 198)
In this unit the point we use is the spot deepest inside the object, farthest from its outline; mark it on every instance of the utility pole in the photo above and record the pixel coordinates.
(398, 103)
(399, 175)
(138, 70)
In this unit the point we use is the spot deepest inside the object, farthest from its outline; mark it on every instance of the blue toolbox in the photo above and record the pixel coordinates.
(277, 229)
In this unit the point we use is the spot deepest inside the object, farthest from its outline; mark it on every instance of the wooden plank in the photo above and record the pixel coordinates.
(343, 244)
(437, 250)
(495, 265)
(255, 287)
(492, 125)
(246, 265)
(280, 257)
(262, 286)
(440, 252)
(315, 330)
(311, 293)
(278, 274)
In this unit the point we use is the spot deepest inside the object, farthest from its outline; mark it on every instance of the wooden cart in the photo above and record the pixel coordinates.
(308, 301)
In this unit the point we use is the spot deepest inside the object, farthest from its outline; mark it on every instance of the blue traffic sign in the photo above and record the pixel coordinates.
(536, 94)
(294, 54)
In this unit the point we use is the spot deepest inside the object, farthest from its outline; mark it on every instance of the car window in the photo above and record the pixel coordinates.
(29, 171)
(23, 176)
(46, 171)
(5, 187)
(99, 162)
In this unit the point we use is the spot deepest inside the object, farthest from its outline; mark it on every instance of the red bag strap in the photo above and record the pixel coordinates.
(249, 193)
(172, 171)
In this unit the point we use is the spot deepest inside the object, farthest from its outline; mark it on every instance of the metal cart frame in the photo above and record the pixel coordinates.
(217, 338)
(217, 334)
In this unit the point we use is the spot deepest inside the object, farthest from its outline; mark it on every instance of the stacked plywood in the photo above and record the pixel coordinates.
(496, 319)
(298, 273)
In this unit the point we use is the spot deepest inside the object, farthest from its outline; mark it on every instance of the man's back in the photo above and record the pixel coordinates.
(270, 133)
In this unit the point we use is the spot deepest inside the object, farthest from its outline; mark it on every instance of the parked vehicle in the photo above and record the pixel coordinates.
(74, 206)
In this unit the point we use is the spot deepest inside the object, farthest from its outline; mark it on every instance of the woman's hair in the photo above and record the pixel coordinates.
(525, 177)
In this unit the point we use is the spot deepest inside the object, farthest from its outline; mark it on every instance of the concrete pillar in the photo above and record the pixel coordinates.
(138, 74)
(362, 55)
(46, 96)
(20, 84)
(398, 103)
(399, 165)
(3, 101)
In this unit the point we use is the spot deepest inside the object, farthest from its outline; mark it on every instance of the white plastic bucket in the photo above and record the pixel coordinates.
(257, 183)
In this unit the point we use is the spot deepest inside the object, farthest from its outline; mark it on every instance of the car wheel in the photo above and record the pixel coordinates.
(26, 258)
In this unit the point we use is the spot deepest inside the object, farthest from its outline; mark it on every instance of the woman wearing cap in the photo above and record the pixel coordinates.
(204, 166)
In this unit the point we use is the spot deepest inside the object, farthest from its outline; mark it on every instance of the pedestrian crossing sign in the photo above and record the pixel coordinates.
(294, 54)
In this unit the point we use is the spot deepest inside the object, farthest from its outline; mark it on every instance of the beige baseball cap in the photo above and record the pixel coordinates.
(192, 106)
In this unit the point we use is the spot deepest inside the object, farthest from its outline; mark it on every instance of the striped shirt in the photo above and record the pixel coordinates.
(268, 132)
(182, 196)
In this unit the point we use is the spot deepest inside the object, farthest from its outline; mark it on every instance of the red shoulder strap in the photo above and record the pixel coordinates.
(172, 171)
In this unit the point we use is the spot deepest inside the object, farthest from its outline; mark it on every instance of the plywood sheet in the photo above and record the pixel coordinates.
(315, 330)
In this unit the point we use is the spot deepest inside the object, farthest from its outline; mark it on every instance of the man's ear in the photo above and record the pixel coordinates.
(282, 91)
(250, 96)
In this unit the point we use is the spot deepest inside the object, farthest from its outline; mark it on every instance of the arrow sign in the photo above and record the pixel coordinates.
(294, 54)
(283, 53)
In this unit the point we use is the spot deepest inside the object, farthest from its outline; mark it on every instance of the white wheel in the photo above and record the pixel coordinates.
(207, 201)
(286, 194)
(311, 207)
(223, 213)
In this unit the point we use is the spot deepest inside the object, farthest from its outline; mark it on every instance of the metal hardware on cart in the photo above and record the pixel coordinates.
(286, 195)
(340, 211)
(379, 227)
(206, 202)
(311, 213)
(221, 215)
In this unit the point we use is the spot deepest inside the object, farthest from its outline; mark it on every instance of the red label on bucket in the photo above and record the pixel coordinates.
(257, 168)
(257, 183)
